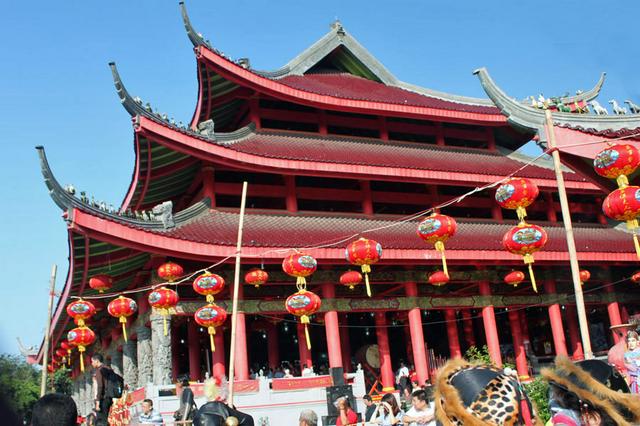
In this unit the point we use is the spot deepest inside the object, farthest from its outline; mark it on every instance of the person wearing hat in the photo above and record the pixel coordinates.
(590, 393)
(480, 395)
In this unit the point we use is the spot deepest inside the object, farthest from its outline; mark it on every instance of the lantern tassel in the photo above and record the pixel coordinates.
(81, 350)
(305, 320)
(533, 278)
(365, 270)
(521, 212)
(212, 331)
(164, 320)
(636, 244)
(123, 321)
(440, 247)
(209, 298)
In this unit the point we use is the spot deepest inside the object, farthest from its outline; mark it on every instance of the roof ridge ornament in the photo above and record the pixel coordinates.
(197, 39)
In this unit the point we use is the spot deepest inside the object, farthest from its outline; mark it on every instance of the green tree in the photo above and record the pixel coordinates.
(19, 385)
(538, 391)
(62, 381)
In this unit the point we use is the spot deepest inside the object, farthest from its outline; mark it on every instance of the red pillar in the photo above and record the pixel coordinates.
(291, 200)
(386, 370)
(345, 344)
(241, 364)
(193, 340)
(418, 346)
(577, 353)
(367, 199)
(332, 329)
(614, 312)
(490, 329)
(524, 327)
(273, 351)
(208, 184)
(467, 327)
(218, 370)
(555, 318)
(452, 333)
(305, 353)
(407, 342)
(518, 346)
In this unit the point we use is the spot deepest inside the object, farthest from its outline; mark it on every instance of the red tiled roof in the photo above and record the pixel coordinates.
(348, 86)
(277, 230)
(373, 152)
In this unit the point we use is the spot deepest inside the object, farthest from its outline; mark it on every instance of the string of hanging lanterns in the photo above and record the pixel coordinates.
(623, 204)
(524, 239)
(209, 315)
(614, 162)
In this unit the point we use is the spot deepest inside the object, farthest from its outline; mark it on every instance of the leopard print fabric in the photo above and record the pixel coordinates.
(498, 404)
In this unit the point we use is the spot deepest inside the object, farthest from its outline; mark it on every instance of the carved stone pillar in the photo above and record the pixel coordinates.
(116, 361)
(88, 386)
(80, 386)
(130, 363)
(161, 346)
(145, 356)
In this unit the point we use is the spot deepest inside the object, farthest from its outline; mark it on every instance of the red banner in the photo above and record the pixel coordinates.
(137, 395)
(242, 386)
(301, 383)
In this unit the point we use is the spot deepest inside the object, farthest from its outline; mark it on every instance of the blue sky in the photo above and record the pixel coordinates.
(56, 88)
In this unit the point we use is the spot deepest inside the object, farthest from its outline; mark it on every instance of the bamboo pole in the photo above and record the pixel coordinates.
(45, 350)
(571, 244)
(236, 283)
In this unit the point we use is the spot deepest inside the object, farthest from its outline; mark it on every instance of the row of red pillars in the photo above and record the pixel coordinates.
(338, 342)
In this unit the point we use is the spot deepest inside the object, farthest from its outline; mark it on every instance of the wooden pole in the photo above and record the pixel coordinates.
(45, 350)
(236, 283)
(571, 244)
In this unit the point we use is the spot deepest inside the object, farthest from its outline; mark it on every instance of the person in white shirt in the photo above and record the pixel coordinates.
(422, 412)
(149, 416)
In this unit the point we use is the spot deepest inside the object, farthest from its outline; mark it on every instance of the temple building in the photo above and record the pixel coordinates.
(333, 145)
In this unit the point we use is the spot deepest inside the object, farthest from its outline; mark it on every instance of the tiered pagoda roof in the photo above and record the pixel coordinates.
(334, 74)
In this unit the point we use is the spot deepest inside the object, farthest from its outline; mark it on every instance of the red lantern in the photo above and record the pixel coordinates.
(299, 265)
(636, 277)
(514, 278)
(101, 282)
(302, 304)
(121, 308)
(524, 240)
(81, 337)
(437, 229)
(363, 253)
(438, 278)
(208, 285)
(351, 279)
(617, 162)
(170, 271)
(624, 204)
(62, 354)
(517, 194)
(256, 277)
(80, 310)
(67, 347)
(162, 300)
(210, 316)
(584, 276)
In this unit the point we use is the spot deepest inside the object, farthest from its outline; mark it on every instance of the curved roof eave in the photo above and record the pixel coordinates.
(117, 233)
(67, 201)
(216, 150)
(526, 116)
(242, 76)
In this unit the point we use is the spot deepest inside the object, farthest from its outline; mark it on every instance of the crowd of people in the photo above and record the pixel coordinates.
(584, 393)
